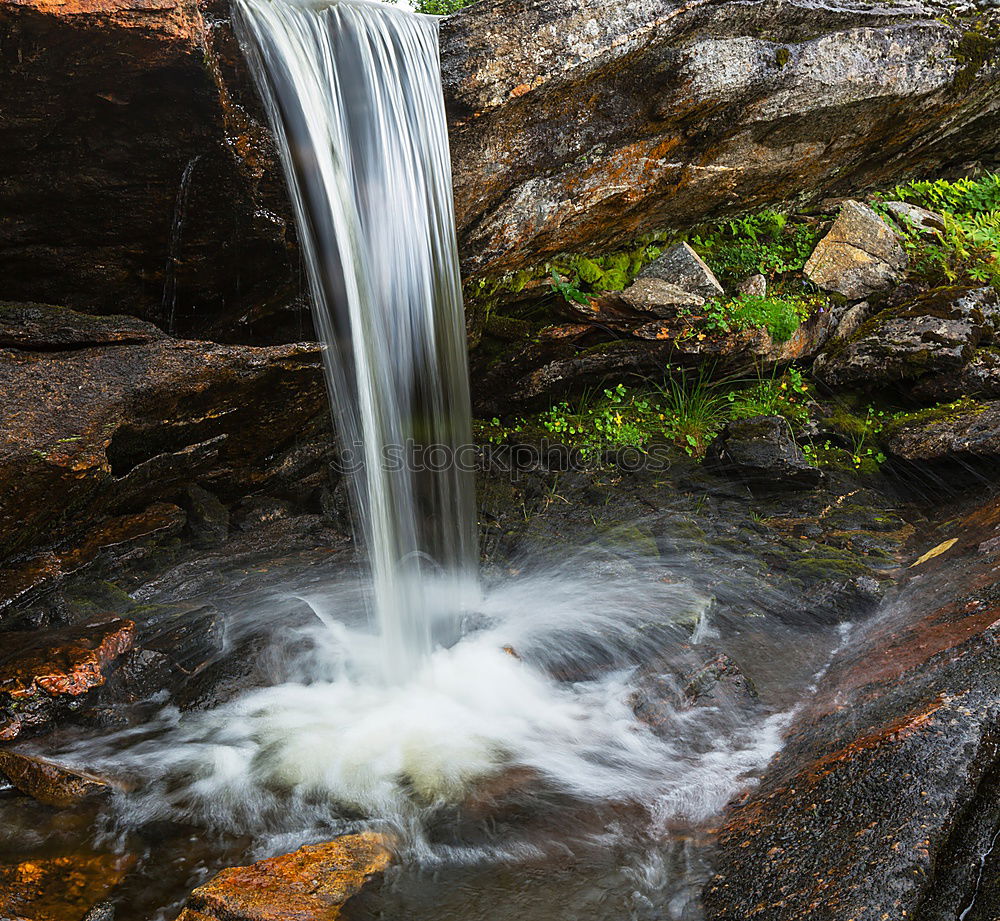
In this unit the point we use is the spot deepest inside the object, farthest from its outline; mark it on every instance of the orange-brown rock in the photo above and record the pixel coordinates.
(48, 782)
(61, 888)
(311, 883)
(42, 670)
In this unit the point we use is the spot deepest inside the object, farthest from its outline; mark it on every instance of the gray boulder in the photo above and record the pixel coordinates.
(859, 256)
(682, 266)
(936, 332)
(920, 219)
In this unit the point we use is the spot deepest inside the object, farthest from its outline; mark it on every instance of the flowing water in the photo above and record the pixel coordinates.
(354, 94)
(537, 722)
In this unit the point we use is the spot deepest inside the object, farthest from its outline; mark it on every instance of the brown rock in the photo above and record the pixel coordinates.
(94, 435)
(58, 888)
(41, 670)
(859, 256)
(313, 882)
(48, 782)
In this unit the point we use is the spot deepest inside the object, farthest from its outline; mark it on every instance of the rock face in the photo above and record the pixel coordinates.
(313, 882)
(148, 180)
(107, 418)
(934, 333)
(859, 256)
(886, 796)
(761, 450)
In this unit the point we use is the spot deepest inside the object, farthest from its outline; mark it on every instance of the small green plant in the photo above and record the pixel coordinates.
(693, 410)
(766, 243)
(786, 396)
(568, 291)
(967, 250)
(780, 316)
(440, 7)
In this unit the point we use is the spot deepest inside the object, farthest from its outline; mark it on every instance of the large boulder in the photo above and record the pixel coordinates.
(138, 170)
(934, 333)
(884, 802)
(859, 256)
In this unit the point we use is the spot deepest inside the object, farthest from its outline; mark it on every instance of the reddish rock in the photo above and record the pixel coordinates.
(312, 883)
(41, 670)
(61, 888)
(48, 782)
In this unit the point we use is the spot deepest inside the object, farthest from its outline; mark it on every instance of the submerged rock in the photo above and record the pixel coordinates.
(761, 450)
(47, 888)
(312, 882)
(859, 256)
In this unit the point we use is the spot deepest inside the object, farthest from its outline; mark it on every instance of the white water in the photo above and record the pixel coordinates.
(353, 91)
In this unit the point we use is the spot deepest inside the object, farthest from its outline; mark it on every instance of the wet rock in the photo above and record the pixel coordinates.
(866, 811)
(980, 378)
(102, 911)
(936, 332)
(37, 327)
(42, 672)
(761, 450)
(58, 888)
(207, 516)
(94, 435)
(859, 256)
(683, 267)
(48, 782)
(314, 882)
(915, 217)
(968, 432)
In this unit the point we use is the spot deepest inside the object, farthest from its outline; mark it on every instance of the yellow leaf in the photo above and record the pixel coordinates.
(937, 551)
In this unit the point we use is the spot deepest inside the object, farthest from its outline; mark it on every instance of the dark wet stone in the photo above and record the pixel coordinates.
(48, 782)
(761, 450)
(886, 770)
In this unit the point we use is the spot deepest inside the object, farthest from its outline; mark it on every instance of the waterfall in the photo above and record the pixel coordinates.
(353, 94)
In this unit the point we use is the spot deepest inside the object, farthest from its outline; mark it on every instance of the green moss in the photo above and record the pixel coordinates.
(975, 49)
(509, 328)
(942, 412)
(782, 56)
